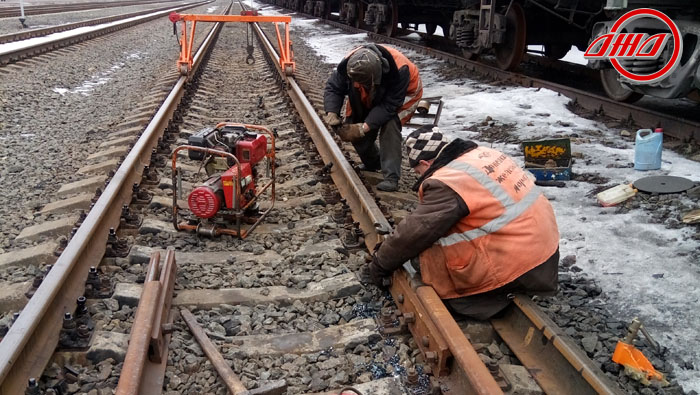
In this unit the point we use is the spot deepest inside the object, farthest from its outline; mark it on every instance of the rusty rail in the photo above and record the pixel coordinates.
(15, 54)
(374, 225)
(555, 362)
(146, 357)
(28, 345)
(234, 385)
(552, 358)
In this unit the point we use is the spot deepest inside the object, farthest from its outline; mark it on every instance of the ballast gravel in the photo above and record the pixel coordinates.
(56, 111)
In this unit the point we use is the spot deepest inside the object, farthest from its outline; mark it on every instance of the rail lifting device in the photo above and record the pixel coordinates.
(184, 64)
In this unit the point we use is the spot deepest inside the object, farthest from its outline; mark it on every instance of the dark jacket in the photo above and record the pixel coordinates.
(441, 209)
(389, 96)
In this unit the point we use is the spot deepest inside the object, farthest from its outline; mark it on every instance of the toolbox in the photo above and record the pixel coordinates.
(548, 160)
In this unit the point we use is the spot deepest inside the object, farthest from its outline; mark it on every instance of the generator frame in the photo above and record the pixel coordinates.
(215, 230)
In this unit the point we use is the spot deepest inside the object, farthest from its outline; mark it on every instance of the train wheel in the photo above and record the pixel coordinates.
(615, 90)
(389, 29)
(510, 54)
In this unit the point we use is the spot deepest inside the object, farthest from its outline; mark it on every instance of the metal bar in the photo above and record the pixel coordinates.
(477, 374)
(235, 18)
(139, 340)
(28, 345)
(233, 384)
(554, 361)
(158, 350)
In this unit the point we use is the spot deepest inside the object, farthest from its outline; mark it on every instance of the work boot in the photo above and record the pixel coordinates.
(388, 186)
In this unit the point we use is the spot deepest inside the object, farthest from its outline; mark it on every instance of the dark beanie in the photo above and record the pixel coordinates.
(424, 143)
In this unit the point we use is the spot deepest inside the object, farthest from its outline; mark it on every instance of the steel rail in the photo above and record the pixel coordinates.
(12, 11)
(555, 362)
(673, 126)
(374, 224)
(27, 34)
(14, 54)
(32, 339)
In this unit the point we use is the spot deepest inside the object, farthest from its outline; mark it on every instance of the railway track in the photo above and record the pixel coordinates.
(283, 303)
(679, 128)
(15, 11)
(27, 34)
(13, 52)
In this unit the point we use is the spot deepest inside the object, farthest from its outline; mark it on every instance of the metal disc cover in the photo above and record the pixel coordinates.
(663, 184)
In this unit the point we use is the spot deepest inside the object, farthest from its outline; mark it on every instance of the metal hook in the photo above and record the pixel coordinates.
(250, 59)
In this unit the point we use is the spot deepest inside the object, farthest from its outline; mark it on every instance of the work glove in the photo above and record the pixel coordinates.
(377, 275)
(332, 119)
(351, 132)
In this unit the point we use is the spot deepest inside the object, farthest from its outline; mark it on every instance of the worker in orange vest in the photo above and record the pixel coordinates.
(383, 89)
(481, 231)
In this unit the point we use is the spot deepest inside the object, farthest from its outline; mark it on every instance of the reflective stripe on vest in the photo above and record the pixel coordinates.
(512, 209)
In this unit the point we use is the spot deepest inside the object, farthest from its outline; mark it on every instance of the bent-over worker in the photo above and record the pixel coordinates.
(481, 231)
(383, 89)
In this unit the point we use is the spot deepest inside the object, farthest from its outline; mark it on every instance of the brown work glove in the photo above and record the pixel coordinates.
(351, 132)
(332, 119)
(377, 274)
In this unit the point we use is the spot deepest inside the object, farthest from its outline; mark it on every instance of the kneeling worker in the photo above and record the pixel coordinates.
(482, 230)
(383, 89)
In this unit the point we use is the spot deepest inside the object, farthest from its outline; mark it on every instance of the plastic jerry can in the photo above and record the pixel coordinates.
(615, 195)
(647, 149)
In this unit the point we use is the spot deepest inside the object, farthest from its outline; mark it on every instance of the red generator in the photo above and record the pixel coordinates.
(229, 197)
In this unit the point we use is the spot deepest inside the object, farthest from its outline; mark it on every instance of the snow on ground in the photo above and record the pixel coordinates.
(624, 252)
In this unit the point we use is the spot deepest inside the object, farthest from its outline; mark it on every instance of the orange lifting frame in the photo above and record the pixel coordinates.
(184, 64)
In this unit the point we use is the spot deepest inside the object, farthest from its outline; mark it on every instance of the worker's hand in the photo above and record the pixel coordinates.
(332, 119)
(377, 275)
(351, 132)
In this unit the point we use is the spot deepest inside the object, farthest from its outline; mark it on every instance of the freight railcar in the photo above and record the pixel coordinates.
(506, 27)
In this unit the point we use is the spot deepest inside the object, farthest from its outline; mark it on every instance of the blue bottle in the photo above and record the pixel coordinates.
(647, 149)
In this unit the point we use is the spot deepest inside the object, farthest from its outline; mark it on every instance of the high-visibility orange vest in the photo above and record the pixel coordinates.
(414, 92)
(510, 228)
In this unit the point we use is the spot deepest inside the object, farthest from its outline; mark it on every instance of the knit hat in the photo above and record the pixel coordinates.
(365, 67)
(424, 143)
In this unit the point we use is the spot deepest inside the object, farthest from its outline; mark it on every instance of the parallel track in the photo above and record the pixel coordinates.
(32, 339)
(27, 34)
(40, 46)
(15, 11)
